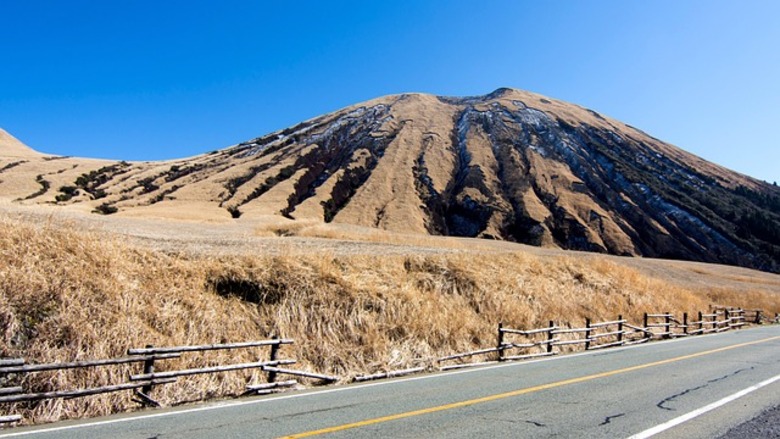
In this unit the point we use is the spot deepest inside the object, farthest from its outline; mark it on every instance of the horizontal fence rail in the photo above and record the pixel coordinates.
(209, 347)
(548, 341)
(468, 354)
(263, 389)
(81, 364)
(9, 419)
(204, 370)
(81, 392)
(11, 361)
(390, 374)
(151, 358)
(10, 390)
(316, 376)
(512, 344)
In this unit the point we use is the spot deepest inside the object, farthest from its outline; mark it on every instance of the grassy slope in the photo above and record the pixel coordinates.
(67, 294)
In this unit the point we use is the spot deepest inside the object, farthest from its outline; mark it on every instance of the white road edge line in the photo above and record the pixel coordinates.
(650, 432)
(230, 404)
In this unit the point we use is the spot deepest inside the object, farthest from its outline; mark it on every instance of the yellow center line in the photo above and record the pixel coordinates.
(518, 392)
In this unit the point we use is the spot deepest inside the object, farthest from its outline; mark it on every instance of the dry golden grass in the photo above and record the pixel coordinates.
(12, 147)
(67, 295)
(344, 232)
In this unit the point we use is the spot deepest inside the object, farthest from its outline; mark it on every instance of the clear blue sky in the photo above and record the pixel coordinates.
(144, 80)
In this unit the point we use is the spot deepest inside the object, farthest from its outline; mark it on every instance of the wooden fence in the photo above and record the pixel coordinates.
(521, 344)
(512, 344)
(152, 374)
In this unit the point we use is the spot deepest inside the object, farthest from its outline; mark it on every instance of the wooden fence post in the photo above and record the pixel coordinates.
(148, 368)
(667, 325)
(685, 323)
(273, 357)
(726, 318)
(620, 329)
(587, 333)
(701, 324)
(500, 346)
(758, 317)
(550, 337)
(647, 330)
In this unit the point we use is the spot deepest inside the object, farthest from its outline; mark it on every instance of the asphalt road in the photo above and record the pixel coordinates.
(697, 387)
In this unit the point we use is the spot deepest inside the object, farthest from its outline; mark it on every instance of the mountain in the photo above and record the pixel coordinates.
(10, 146)
(509, 165)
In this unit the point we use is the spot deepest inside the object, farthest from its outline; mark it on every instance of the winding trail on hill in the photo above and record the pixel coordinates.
(698, 388)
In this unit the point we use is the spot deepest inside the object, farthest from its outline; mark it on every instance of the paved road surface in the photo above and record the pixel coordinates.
(697, 387)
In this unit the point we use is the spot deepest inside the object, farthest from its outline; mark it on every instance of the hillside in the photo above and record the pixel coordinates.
(510, 165)
(11, 147)
(71, 291)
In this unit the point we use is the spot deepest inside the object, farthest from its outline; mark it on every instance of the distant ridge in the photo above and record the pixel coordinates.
(10, 146)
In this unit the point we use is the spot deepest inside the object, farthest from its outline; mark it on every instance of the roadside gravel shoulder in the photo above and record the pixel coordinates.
(765, 425)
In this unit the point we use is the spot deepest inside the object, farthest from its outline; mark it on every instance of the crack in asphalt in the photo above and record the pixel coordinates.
(216, 427)
(513, 421)
(609, 419)
(327, 409)
(604, 354)
(661, 404)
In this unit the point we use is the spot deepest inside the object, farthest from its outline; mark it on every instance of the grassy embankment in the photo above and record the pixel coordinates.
(67, 295)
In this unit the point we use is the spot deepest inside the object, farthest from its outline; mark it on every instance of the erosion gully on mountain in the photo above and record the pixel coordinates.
(510, 165)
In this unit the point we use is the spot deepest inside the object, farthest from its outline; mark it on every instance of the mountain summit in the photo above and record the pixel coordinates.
(508, 165)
